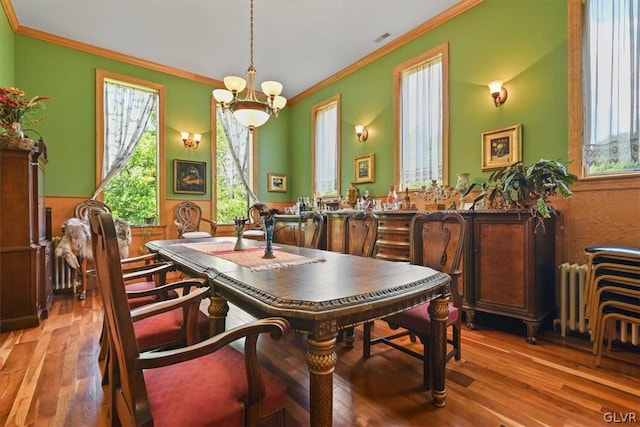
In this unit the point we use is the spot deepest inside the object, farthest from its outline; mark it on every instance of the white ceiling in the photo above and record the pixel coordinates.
(297, 42)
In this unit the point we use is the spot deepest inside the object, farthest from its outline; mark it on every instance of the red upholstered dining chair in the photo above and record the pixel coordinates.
(209, 383)
(146, 283)
(437, 239)
(360, 231)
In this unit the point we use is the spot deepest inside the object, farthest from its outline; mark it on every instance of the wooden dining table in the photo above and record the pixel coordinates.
(319, 293)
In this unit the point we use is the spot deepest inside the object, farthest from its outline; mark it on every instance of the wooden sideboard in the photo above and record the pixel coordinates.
(508, 265)
(25, 246)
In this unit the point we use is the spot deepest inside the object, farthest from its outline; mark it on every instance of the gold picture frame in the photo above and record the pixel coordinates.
(364, 168)
(501, 147)
(277, 182)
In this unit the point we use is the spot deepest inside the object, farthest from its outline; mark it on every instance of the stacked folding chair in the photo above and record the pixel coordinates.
(612, 292)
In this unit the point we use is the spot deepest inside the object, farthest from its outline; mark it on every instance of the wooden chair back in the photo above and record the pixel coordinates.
(188, 214)
(311, 230)
(255, 221)
(286, 230)
(84, 208)
(118, 316)
(437, 240)
(360, 234)
(187, 219)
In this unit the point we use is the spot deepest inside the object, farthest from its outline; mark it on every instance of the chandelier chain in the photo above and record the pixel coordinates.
(251, 34)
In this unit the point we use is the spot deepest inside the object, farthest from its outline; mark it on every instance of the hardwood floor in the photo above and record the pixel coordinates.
(49, 377)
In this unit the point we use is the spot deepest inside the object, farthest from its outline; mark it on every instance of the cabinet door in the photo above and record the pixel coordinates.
(503, 273)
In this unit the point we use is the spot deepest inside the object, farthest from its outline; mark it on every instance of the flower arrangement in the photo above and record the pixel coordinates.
(16, 109)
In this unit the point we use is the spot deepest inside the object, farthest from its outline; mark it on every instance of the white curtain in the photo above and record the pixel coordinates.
(127, 112)
(326, 150)
(239, 138)
(421, 97)
(611, 83)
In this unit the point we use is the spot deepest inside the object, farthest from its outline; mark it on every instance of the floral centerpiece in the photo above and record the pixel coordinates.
(17, 110)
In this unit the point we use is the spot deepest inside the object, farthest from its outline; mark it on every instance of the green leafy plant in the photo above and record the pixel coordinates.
(518, 187)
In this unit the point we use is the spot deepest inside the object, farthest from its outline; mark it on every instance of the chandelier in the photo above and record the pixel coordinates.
(250, 111)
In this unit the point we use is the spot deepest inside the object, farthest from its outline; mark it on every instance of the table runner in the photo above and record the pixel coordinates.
(251, 257)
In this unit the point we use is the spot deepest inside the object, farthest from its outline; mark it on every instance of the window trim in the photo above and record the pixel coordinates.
(576, 111)
(442, 49)
(101, 76)
(214, 164)
(337, 99)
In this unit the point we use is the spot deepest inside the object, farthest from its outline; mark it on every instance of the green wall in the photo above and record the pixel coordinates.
(6, 50)
(69, 131)
(522, 42)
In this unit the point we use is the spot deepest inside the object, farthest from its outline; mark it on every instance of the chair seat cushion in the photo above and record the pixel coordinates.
(254, 233)
(145, 286)
(195, 235)
(207, 391)
(164, 329)
(418, 320)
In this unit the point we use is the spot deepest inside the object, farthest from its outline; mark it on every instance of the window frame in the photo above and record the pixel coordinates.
(576, 110)
(443, 50)
(337, 99)
(101, 76)
(214, 164)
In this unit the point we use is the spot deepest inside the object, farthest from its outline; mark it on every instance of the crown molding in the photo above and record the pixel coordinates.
(11, 14)
(423, 28)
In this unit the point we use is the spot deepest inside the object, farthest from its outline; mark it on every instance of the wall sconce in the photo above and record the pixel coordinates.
(498, 93)
(362, 133)
(191, 141)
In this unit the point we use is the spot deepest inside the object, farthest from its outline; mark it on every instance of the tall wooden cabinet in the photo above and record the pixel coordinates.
(25, 246)
(509, 267)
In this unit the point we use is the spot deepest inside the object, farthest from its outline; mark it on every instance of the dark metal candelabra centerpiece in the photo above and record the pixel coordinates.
(435, 193)
(240, 224)
(269, 223)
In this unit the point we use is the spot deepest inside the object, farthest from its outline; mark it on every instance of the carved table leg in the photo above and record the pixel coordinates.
(218, 309)
(321, 361)
(532, 328)
(439, 312)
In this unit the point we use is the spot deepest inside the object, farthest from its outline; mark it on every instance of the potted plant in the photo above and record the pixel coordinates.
(16, 111)
(518, 187)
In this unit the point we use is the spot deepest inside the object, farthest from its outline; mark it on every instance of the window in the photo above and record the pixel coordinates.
(604, 87)
(421, 99)
(611, 86)
(129, 135)
(235, 167)
(325, 157)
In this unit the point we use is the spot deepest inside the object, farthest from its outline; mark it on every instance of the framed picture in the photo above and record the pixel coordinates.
(501, 147)
(364, 168)
(189, 177)
(277, 182)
